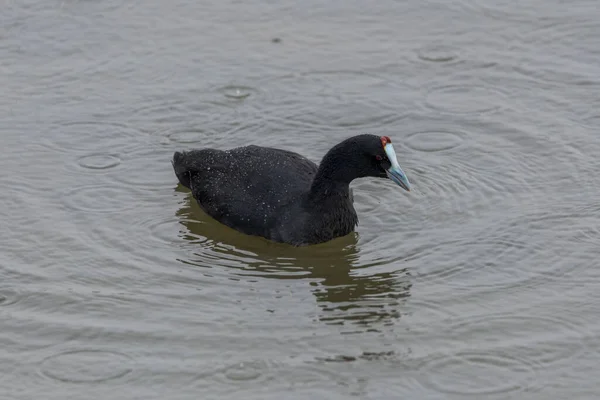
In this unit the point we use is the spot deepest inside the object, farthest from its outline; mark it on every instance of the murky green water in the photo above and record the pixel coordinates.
(482, 282)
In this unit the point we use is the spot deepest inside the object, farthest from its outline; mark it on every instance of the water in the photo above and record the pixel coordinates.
(482, 282)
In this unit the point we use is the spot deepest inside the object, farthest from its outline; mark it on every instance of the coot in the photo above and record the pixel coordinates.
(281, 195)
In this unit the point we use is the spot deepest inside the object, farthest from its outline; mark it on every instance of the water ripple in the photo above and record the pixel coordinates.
(237, 92)
(455, 188)
(482, 282)
(421, 314)
(340, 99)
(503, 255)
(465, 99)
(168, 109)
(86, 366)
(99, 161)
(489, 373)
(221, 128)
(207, 250)
(253, 370)
(100, 199)
(439, 53)
(295, 374)
(86, 136)
(147, 168)
(542, 339)
(243, 372)
(435, 141)
(191, 135)
(527, 12)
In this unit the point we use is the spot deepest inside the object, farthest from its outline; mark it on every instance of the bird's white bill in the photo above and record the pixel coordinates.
(395, 173)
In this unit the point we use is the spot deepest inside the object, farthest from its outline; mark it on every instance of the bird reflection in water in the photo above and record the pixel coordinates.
(345, 290)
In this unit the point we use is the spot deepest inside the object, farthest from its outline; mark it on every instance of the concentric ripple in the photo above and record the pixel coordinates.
(237, 92)
(515, 253)
(339, 99)
(422, 314)
(275, 373)
(162, 230)
(87, 136)
(526, 12)
(99, 161)
(542, 339)
(462, 259)
(479, 374)
(452, 189)
(250, 370)
(438, 53)
(148, 169)
(434, 141)
(465, 99)
(146, 235)
(189, 136)
(100, 199)
(86, 366)
(219, 126)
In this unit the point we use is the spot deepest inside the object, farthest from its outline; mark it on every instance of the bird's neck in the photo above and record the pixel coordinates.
(333, 177)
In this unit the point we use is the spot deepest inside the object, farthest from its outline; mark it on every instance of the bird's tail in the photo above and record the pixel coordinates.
(181, 168)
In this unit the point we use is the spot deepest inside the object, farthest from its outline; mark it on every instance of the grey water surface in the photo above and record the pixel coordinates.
(483, 282)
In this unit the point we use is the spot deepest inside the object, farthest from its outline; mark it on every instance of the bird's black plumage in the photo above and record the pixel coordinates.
(279, 194)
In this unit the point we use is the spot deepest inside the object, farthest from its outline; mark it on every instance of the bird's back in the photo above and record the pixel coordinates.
(247, 188)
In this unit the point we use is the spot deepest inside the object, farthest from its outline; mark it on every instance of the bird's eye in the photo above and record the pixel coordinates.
(378, 157)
